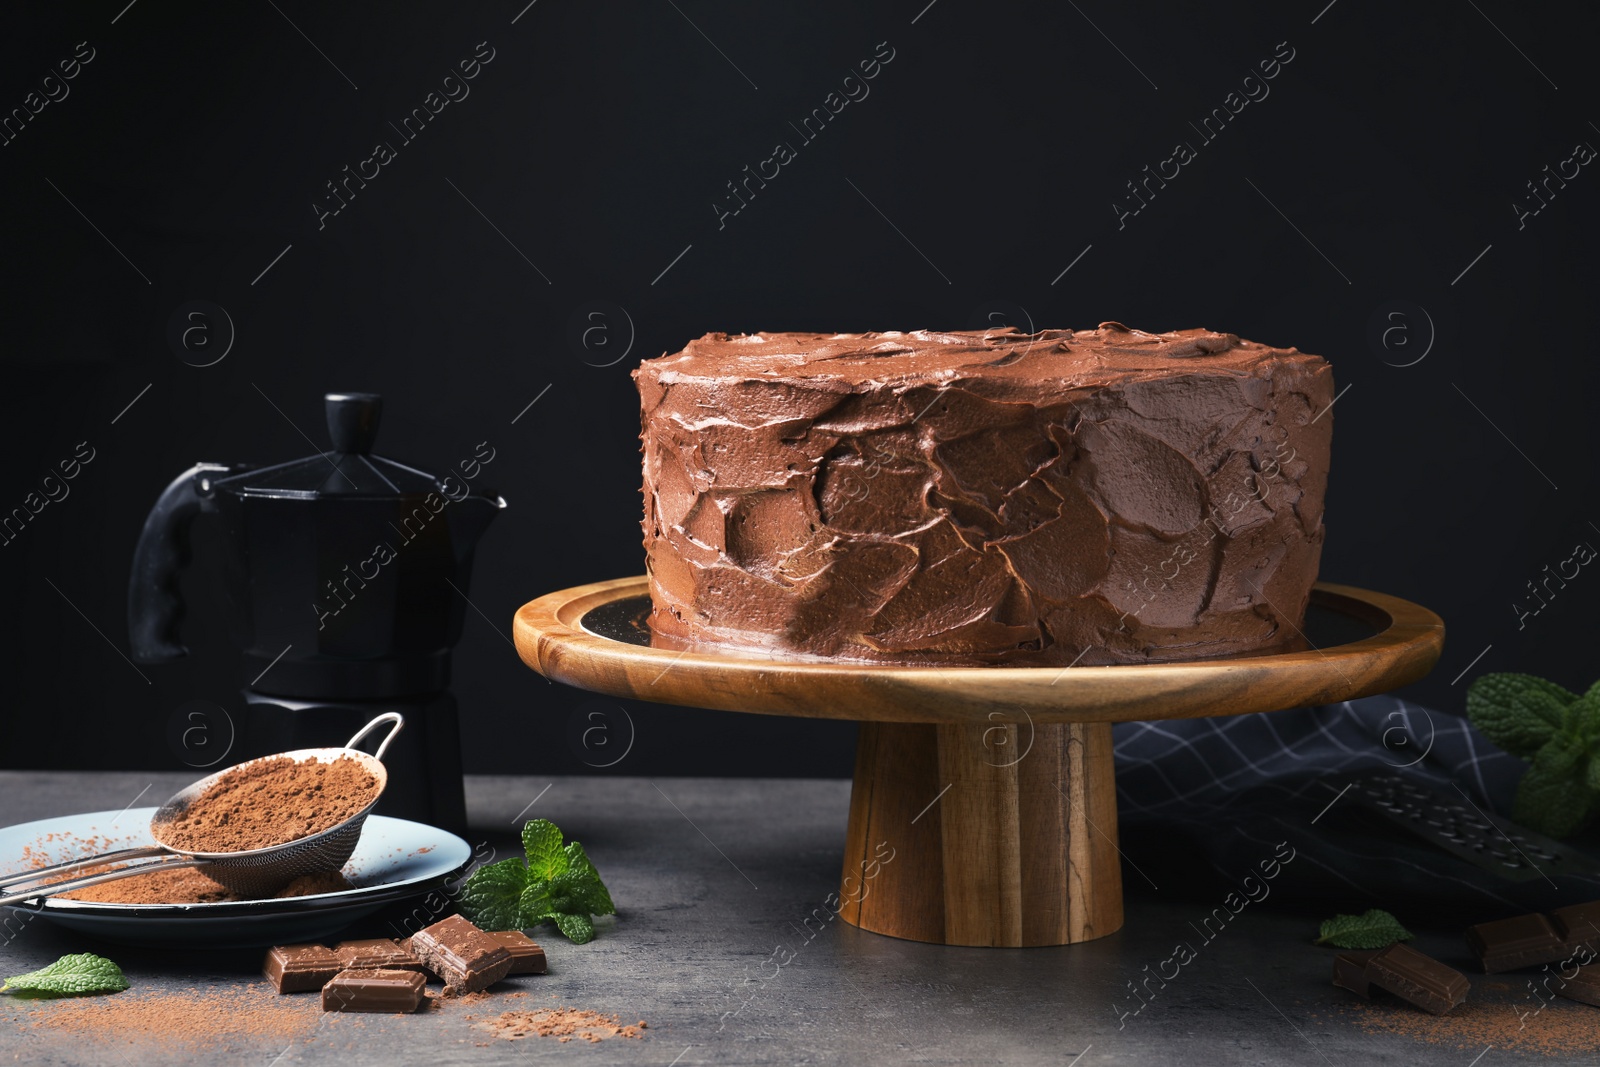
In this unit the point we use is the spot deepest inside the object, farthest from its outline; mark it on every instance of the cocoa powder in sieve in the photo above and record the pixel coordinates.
(271, 802)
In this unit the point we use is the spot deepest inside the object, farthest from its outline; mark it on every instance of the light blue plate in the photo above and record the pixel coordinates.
(395, 859)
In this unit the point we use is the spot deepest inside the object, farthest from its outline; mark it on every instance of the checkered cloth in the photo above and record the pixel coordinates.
(1228, 790)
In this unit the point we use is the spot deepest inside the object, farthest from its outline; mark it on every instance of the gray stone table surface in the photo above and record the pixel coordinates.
(714, 881)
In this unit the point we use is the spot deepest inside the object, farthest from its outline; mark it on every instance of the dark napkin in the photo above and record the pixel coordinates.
(1220, 794)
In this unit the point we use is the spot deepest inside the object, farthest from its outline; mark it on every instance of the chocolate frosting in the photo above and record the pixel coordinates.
(984, 498)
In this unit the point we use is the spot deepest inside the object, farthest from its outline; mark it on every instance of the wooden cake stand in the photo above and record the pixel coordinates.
(984, 809)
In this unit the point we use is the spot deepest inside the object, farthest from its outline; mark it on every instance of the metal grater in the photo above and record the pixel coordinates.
(1451, 821)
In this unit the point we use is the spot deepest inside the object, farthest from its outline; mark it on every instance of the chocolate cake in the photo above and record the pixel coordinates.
(987, 498)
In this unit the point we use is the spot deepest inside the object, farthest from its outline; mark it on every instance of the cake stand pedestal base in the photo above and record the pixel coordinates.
(984, 810)
(999, 835)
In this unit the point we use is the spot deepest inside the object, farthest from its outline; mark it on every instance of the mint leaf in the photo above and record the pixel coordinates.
(1375, 929)
(565, 894)
(79, 975)
(595, 896)
(1559, 758)
(541, 840)
(578, 928)
(1518, 712)
(535, 905)
(1555, 803)
(1591, 777)
(492, 897)
(1545, 706)
(559, 885)
(1583, 715)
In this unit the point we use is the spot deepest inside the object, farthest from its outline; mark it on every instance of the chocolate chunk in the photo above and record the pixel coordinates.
(1578, 923)
(1418, 979)
(376, 952)
(374, 989)
(300, 968)
(463, 956)
(526, 956)
(1350, 971)
(1521, 941)
(1584, 986)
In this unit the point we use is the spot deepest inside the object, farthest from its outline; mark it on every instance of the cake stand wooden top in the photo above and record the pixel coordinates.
(592, 637)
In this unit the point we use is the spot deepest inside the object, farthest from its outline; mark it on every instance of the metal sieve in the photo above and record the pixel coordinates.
(253, 873)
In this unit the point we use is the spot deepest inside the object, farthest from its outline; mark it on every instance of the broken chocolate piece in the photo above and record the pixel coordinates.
(1578, 924)
(1584, 986)
(463, 956)
(376, 952)
(1521, 941)
(374, 989)
(300, 968)
(1350, 971)
(1418, 979)
(526, 956)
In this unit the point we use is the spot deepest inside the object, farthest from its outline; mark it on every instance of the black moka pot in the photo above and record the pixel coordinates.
(346, 579)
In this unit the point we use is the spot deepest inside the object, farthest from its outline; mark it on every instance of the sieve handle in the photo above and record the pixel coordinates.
(41, 873)
(172, 861)
(390, 717)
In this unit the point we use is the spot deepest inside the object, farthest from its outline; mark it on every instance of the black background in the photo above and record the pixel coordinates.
(985, 160)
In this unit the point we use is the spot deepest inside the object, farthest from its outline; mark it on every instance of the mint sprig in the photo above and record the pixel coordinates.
(1558, 732)
(1374, 929)
(81, 974)
(554, 883)
(492, 897)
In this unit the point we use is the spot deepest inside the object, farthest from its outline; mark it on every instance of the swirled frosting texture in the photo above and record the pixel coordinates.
(990, 498)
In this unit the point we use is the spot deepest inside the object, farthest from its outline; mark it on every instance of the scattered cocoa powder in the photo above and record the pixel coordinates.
(185, 886)
(40, 854)
(1563, 1028)
(204, 1019)
(238, 1018)
(190, 886)
(310, 884)
(563, 1024)
(256, 1019)
(269, 802)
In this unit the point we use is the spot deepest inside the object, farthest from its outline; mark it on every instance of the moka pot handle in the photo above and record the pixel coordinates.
(155, 604)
